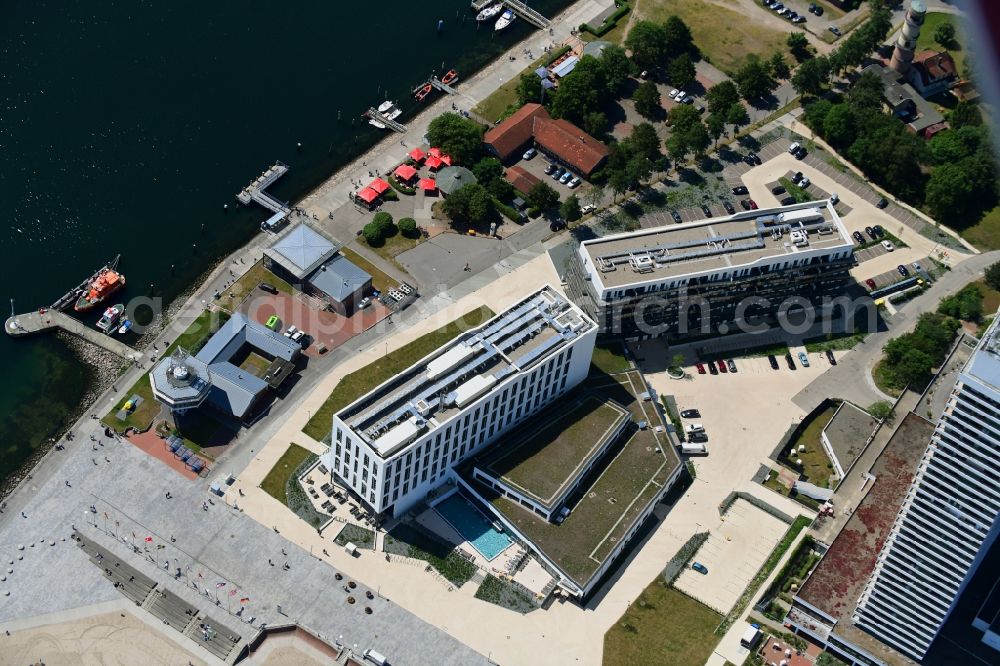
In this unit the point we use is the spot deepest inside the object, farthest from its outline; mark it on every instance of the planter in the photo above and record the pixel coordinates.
(338, 576)
(368, 610)
(369, 594)
(350, 600)
(675, 373)
(351, 584)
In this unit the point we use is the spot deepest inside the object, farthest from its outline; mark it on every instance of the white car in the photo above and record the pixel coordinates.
(529, 153)
(792, 148)
(588, 208)
(290, 331)
(673, 93)
(888, 246)
(804, 183)
(692, 428)
(681, 95)
(566, 177)
(575, 182)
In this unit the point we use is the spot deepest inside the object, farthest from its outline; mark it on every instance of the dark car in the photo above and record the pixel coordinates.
(753, 204)
(688, 100)
(903, 270)
(691, 414)
(858, 237)
(835, 30)
(732, 365)
(879, 231)
(819, 11)
(801, 153)
(745, 204)
(778, 189)
(706, 210)
(830, 357)
(711, 368)
(722, 366)
(797, 177)
(773, 361)
(789, 361)
(677, 216)
(697, 437)
(728, 205)
(882, 203)
(748, 160)
(871, 284)
(549, 169)
(701, 368)
(788, 201)
(755, 157)
(557, 225)
(269, 288)
(741, 189)
(871, 232)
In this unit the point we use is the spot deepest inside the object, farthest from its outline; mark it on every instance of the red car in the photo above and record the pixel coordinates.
(753, 205)
(871, 284)
(701, 368)
(721, 365)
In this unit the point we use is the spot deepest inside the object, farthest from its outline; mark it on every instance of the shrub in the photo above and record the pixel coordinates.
(408, 227)
(382, 222)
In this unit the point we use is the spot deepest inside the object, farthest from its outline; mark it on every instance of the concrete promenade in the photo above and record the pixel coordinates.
(32, 323)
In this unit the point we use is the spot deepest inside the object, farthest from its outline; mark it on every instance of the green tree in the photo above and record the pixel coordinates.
(683, 116)
(965, 114)
(993, 276)
(647, 99)
(840, 126)
(595, 123)
(956, 144)
(470, 204)
(459, 137)
(944, 35)
(595, 196)
(616, 67)
(648, 43)
(721, 96)
(811, 76)
(681, 71)
(644, 142)
(529, 88)
(716, 125)
(408, 227)
(798, 43)
(949, 191)
(697, 139)
(383, 222)
(913, 368)
(638, 169)
(736, 115)
(487, 170)
(881, 410)
(867, 92)
(753, 79)
(570, 209)
(582, 90)
(779, 68)
(678, 37)
(677, 148)
(816, 113)
(542, 196)
(618, 182)
(501, 189)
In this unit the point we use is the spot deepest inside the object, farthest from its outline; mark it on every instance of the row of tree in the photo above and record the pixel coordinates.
(911, 358)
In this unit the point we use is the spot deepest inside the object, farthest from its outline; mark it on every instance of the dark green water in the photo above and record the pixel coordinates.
(125, 127)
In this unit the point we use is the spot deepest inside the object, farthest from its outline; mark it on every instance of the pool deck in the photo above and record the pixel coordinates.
(486, 520)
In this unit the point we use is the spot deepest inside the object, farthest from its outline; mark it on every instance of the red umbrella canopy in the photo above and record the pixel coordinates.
(435, 152)
(417, 154)
(405, 172)
(433, 162)
(368, 195)
(379, 185)
(446, 159)
(427, 184)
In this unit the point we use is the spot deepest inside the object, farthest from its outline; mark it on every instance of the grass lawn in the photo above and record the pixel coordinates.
(664, 627)
(503, 100)
(359, 382)
(610, 358)
(796, 192)
(255, 364)
(884, 381)
(409, 542)
(230, 299)
(926, 38)
(991, 297)
(835, 342)
(724, 36)
(380, 280)
(393, 246)
(816, 465)
(192, 340)
(275, 482)
(359, 536)
(777, 486)
(985, 234)
(504, 594)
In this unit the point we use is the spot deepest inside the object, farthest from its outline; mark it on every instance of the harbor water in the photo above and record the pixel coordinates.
(126, 126)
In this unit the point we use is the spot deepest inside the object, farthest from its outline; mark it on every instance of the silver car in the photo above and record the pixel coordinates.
(566, 177)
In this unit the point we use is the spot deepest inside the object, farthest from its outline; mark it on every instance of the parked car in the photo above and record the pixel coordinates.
(778, 189)
(550, 169)
(557, 174)
(688, 100)
(731, 364)
(529, 153)
(273, 323)
(748, 160)
(879, 231)
(588, 208)
(691, 414)
(722, 366)
(741, 189)
(792, 148)
(700, 568)
(557, 225)
(706, 210)
(712, 369)
(888, 246)
(728, 205)
(575, 182)
(871, 232)
(364, 302)
(269, 288)
(677, 216)
(882, 203)
(298, 335)
(835, 30)
(916, 266)
(830, 357)
(753, 204)
(773, 361)
(698, 437)
(856, 235)
(673, 93)
(566, 177)
(797, 177)
(801, 153)
(805, 182)
(290, 331)
(803, 359)
(903, 270)
(700, 367)
(799, 19)
(788, 201)
(755, 157)
(745, 204)
(819, 11)
(871, 284)
(789, 361)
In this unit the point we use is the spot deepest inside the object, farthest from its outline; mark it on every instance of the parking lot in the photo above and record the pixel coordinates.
(733, 554)
(536, 167)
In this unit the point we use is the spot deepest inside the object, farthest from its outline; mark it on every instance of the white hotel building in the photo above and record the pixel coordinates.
(949, 517)
(400, 440)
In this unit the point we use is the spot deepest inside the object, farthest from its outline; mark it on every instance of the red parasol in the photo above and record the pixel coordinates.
(435, 152)
(379, 185)
(446, 159)
(433, 162)
(427, 184)
(405, 172)
(417, 154)
(367, 195)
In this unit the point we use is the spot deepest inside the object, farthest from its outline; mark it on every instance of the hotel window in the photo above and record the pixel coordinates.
(339, 434)
(423, 477)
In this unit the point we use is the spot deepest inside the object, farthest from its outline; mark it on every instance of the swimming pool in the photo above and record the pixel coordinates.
(473, 526)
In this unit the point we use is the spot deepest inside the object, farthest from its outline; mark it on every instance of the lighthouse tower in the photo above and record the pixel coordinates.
(906, 44)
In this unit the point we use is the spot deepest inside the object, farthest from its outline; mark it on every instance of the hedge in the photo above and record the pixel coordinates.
(507, 211)
(608, 24)
(399, 187)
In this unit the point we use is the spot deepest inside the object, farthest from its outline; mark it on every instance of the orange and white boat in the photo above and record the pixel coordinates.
(449, 77)
(107, 282)
(423, 92)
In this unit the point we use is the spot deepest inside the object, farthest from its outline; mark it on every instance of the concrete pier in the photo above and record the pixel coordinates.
(41, 321)
(255, 192)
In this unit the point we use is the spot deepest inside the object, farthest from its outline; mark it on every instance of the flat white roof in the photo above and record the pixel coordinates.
(473, 388)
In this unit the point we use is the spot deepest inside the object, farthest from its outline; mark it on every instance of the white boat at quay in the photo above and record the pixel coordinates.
(505, 20)
(489, 12)
(387, 109)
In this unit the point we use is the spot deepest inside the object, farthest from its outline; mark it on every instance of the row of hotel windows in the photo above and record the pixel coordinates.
(715, 277)
(536, 388)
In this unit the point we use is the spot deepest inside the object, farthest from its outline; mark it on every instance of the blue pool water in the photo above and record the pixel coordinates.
(473, 526)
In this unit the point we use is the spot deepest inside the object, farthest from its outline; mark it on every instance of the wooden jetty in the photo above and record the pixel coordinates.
(385, 120)
(442, 86)
(254, 192)
(45, 319)
(521, 9)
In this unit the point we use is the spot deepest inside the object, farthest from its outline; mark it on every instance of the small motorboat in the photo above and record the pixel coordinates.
(505, 20)
(125, 327)
(489, 12)
(110, 317)
(388, 109)
(423, 92)
(450, 76)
